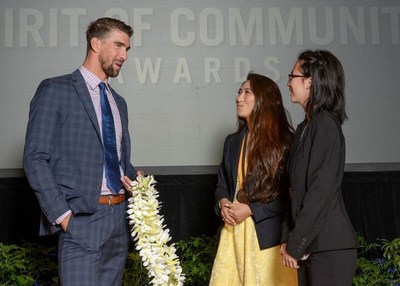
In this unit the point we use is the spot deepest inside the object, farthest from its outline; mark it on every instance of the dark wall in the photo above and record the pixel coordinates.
(372, 200)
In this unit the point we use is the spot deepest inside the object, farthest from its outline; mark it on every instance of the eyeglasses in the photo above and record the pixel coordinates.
(291, 76)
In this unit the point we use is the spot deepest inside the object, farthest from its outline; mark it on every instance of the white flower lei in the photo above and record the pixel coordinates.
(151, 239)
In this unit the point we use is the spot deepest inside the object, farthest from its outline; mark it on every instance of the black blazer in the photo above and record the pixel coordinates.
(316, 165)
(267, 217)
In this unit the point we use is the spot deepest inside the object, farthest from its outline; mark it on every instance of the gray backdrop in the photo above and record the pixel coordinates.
(188, 59)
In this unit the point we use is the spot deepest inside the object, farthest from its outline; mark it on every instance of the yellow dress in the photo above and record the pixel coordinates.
(240, 262)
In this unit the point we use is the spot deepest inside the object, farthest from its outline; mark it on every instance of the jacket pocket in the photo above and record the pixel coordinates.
(67, 186)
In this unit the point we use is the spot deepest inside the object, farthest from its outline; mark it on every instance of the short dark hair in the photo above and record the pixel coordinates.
(327, 82)
(101, 27)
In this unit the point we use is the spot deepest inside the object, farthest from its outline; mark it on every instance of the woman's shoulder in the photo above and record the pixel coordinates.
(236, 134)
(326, 119)
(325, 124)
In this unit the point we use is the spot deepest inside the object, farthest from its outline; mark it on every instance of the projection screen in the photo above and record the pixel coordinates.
(188, 59)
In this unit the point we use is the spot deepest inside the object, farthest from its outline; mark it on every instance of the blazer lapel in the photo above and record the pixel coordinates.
(124, 124)
(297, 141)
(82, 91)
(235, 155)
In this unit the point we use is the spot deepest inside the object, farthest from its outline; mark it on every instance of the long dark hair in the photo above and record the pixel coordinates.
(268, 148)
(327, 82)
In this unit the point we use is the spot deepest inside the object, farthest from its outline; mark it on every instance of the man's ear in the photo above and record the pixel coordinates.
(95, 44)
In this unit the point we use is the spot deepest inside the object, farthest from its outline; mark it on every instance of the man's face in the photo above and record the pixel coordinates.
(114, 52)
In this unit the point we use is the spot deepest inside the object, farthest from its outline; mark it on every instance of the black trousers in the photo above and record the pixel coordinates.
(328, 268)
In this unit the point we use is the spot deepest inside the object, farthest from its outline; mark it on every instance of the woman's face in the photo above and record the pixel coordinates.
(245, 101)
(299, 86)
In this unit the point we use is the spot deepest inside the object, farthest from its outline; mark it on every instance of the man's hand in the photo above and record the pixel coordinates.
(127, 182)
(64, 223)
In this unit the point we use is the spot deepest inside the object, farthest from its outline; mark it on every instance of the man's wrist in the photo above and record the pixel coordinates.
(62, 217)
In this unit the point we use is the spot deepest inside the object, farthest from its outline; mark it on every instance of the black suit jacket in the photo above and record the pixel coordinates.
(267, 217)
(316, 165)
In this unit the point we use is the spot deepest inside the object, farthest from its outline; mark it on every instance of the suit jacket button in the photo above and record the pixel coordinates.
(98, 187)
(101, 162)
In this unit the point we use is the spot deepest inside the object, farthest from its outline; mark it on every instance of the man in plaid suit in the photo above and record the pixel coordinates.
(64, 161)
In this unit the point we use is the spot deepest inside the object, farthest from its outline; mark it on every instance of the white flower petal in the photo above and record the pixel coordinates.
(151, 235)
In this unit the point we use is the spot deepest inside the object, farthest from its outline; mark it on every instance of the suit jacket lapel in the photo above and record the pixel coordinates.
(82, 91)
(235, 155)
(297, 141)
(120, 106)
(124, 124)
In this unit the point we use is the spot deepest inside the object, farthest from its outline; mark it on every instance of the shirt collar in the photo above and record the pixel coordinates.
(90, 78)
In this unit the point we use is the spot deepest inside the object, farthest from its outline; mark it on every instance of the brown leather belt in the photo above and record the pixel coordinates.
(111, 200)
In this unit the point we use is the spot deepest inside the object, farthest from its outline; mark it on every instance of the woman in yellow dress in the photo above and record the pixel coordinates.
(252, 191)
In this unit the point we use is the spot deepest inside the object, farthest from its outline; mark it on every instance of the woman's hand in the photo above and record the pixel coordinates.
(288, 260)
(226, 216)
(236, 212)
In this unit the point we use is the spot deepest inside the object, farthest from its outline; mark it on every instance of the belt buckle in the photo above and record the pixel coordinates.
(109, 200)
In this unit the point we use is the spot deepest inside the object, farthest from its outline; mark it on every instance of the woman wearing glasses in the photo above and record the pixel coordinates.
(321, 242)
(252, 193)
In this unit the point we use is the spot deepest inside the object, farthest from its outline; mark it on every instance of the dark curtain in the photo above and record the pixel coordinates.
(373, 203)
(372, 200)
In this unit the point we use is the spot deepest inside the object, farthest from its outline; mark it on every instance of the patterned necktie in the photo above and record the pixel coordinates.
(110, 145)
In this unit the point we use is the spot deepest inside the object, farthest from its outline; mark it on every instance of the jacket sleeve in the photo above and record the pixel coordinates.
(222, 190)
(324, 177)
(267, 210)
(44, 121)
(129, 170)
(285, 229)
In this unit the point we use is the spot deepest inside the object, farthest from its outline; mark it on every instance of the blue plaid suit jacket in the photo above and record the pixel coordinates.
(63, 156)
